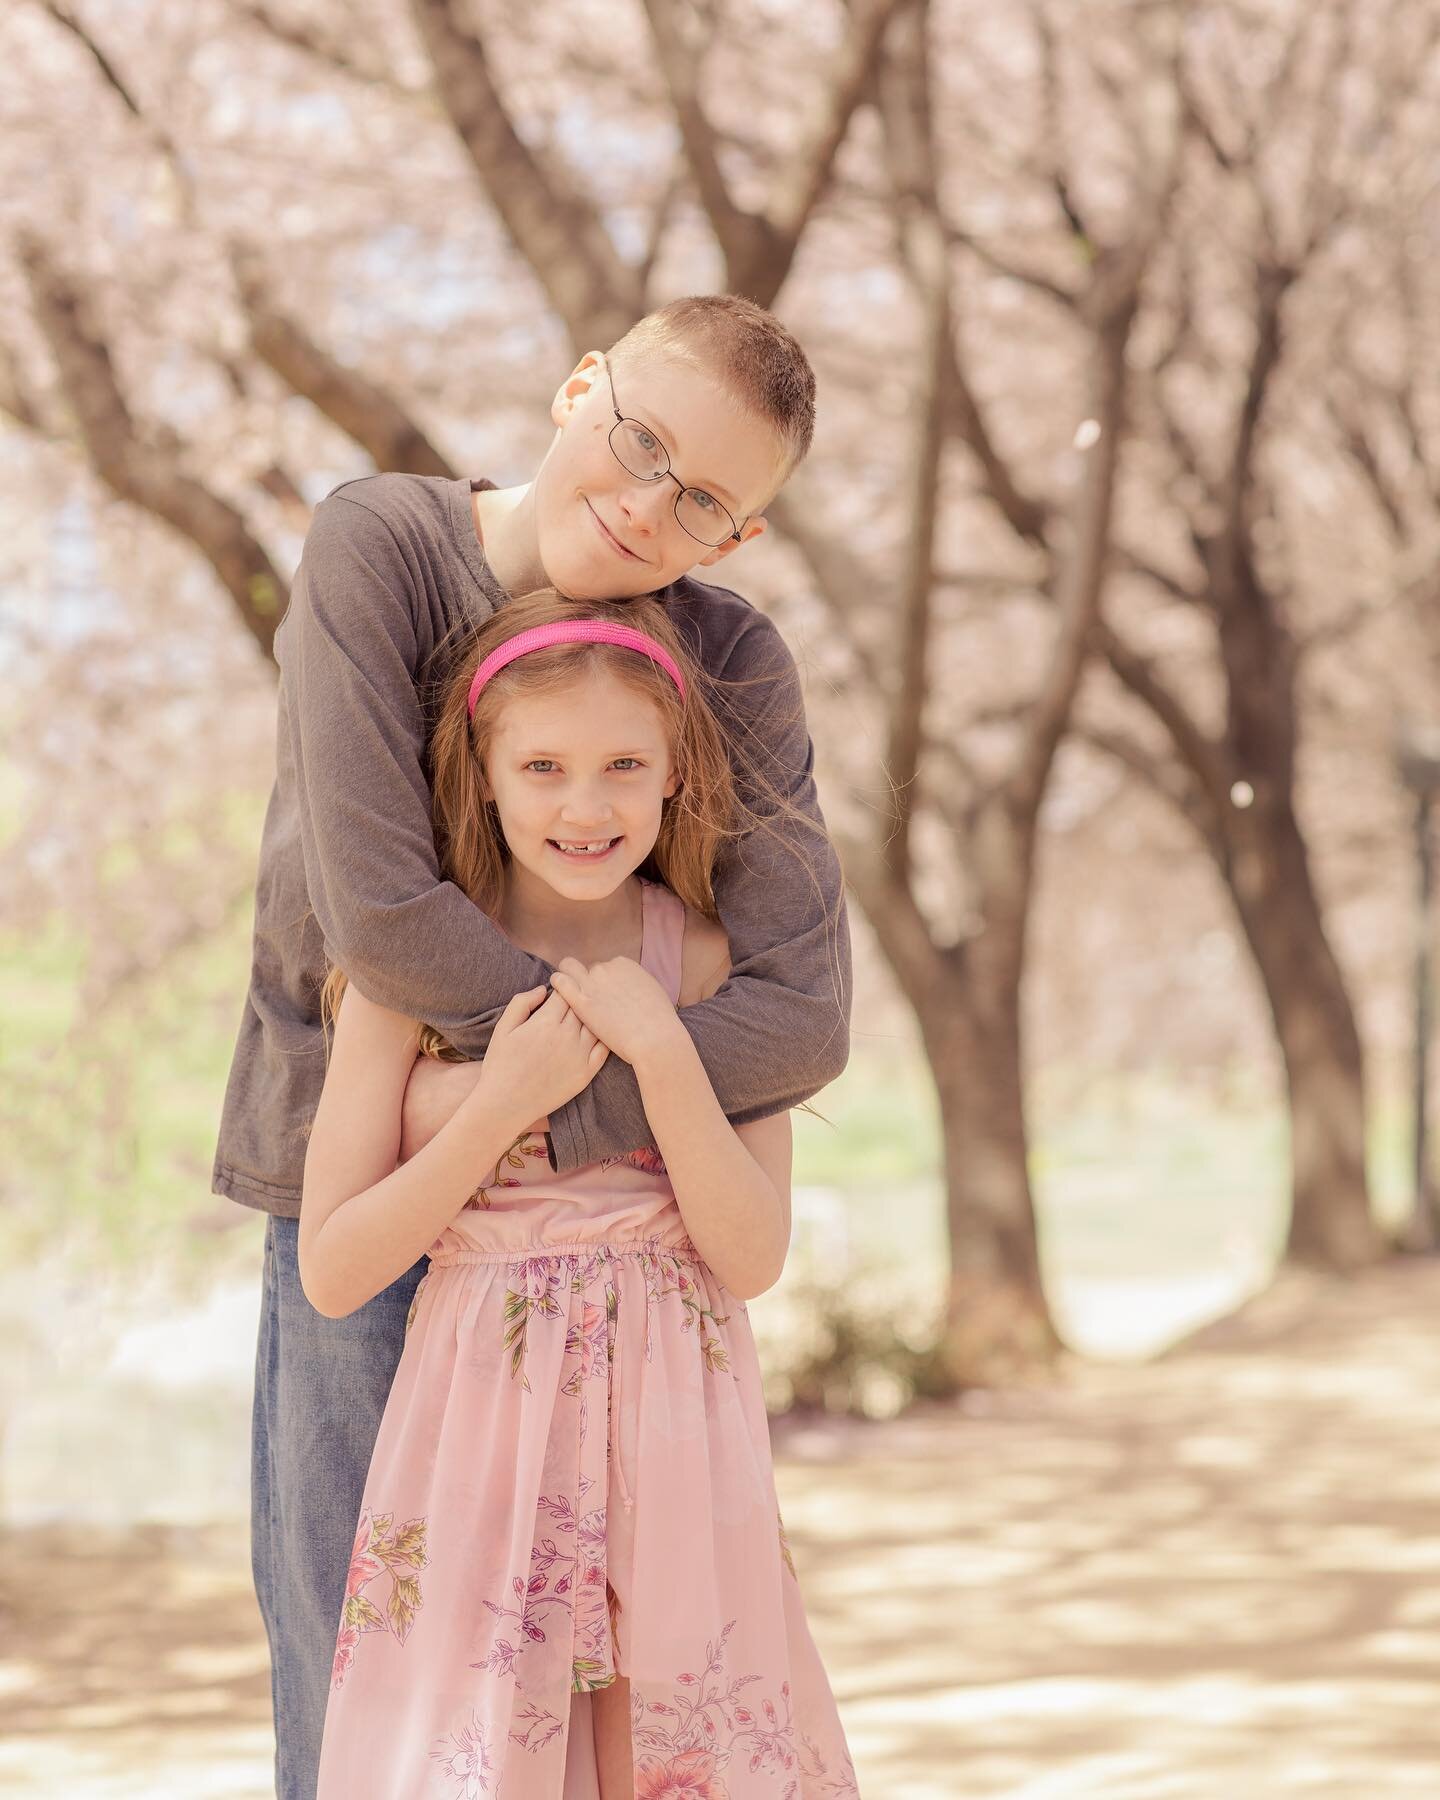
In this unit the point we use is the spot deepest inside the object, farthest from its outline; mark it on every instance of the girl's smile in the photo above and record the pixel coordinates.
(591, 850)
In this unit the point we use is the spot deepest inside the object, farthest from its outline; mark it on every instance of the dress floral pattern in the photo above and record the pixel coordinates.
(577, 1449)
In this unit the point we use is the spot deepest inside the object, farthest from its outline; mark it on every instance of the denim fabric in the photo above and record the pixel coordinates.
(320, 1390)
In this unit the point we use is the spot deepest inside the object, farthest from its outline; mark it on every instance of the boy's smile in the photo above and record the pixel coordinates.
(626, 555)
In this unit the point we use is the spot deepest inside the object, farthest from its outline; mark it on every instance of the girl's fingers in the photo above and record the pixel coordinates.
(518, 1008)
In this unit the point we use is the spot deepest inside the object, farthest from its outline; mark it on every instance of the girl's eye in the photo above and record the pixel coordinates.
(543, 765)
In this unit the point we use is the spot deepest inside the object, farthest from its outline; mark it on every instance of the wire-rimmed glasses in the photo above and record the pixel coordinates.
(640, 453)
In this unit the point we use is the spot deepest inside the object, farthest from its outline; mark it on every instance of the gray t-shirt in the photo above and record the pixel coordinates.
(391, 568)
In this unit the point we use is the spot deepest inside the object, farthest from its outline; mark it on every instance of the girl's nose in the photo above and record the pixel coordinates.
(586, 807)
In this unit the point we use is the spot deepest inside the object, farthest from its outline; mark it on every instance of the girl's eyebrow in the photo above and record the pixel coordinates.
(667, 437)
(557, 755)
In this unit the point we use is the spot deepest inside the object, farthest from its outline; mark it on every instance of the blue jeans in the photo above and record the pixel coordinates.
(320, 1390)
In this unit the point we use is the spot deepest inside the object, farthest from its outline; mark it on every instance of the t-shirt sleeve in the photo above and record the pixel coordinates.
(355, 729)
(778, 1030)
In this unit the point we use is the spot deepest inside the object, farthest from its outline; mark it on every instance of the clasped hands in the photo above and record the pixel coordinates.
(548, 1045)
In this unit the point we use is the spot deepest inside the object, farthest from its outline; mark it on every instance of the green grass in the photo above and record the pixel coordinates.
(113, 1121)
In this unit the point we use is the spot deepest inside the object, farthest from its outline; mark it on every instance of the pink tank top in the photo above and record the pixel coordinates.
(523, 1207)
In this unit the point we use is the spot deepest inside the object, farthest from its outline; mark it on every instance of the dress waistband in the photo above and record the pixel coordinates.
(609, 1250)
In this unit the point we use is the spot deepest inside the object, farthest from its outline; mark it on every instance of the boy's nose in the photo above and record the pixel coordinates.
(644, 505)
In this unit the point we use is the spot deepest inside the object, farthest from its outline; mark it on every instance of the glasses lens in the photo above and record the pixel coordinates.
(704, 517)
(640, 453)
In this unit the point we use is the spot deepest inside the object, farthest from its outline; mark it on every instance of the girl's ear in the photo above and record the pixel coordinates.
(673, 785)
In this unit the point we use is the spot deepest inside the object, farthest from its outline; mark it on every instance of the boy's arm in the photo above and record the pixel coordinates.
(353, 724)
(779, 1029)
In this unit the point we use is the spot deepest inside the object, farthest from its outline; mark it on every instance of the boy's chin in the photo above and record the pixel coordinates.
(587, 583)
(603, 577)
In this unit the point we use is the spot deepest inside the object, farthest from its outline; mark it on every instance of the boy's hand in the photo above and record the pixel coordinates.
(623, 1005)
(541, 1055)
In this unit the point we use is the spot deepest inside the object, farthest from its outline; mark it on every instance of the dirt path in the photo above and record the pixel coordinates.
(1212, 1578)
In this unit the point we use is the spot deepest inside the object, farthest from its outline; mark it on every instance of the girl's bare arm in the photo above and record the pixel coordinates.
(363, 1221)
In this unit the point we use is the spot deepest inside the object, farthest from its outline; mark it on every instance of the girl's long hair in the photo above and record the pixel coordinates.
(706, 810)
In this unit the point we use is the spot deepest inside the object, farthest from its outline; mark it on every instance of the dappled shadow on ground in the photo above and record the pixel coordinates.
(1214, 1575)
(1217, 1575)
(134, 1664)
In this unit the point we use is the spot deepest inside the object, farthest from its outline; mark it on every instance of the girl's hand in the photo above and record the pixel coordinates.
(541, 1055)
(623, 1005)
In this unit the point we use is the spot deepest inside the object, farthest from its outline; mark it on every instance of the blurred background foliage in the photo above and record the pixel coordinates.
(1111, 575)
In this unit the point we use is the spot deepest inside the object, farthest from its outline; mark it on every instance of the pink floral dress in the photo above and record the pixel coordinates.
(572, 1481)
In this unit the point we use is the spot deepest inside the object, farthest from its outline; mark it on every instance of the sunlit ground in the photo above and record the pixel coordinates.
(1213, 1575)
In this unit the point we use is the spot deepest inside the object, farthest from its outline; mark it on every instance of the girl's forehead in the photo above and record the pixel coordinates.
(593, 706)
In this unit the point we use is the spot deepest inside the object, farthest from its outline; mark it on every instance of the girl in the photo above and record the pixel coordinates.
(569, 1578)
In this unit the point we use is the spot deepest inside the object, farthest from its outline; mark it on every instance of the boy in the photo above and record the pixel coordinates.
(665, 453)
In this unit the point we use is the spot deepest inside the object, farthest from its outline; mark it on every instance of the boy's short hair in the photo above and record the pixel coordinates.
(748, 349)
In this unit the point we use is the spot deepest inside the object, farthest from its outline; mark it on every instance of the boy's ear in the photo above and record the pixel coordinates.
(752, 528)
(576, 385)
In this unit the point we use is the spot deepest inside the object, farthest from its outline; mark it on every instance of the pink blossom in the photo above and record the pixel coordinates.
(344, 1654)
(363, 1566)
(689, 1776)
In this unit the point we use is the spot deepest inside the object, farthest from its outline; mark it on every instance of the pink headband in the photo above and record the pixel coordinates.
(574, 631)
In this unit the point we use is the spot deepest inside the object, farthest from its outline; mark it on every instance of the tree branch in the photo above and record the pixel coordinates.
(336, 50)
(795, 198)
(759, 248)
(905, 100)
(1272, 284)
(1109, 307)
(551, 222)
(1207, 759)
(367, 413)
(138, 469)
(1031, 278)
(1163, 777)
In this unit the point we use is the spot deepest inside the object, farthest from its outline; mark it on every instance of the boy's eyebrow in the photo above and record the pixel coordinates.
(667, 437)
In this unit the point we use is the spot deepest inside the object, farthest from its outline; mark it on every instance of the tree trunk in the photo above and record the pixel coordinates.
(1331, 1226)
(997, 1323)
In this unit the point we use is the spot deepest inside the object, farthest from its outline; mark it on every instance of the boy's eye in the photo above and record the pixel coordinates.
(703, 500)
(647, 443)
